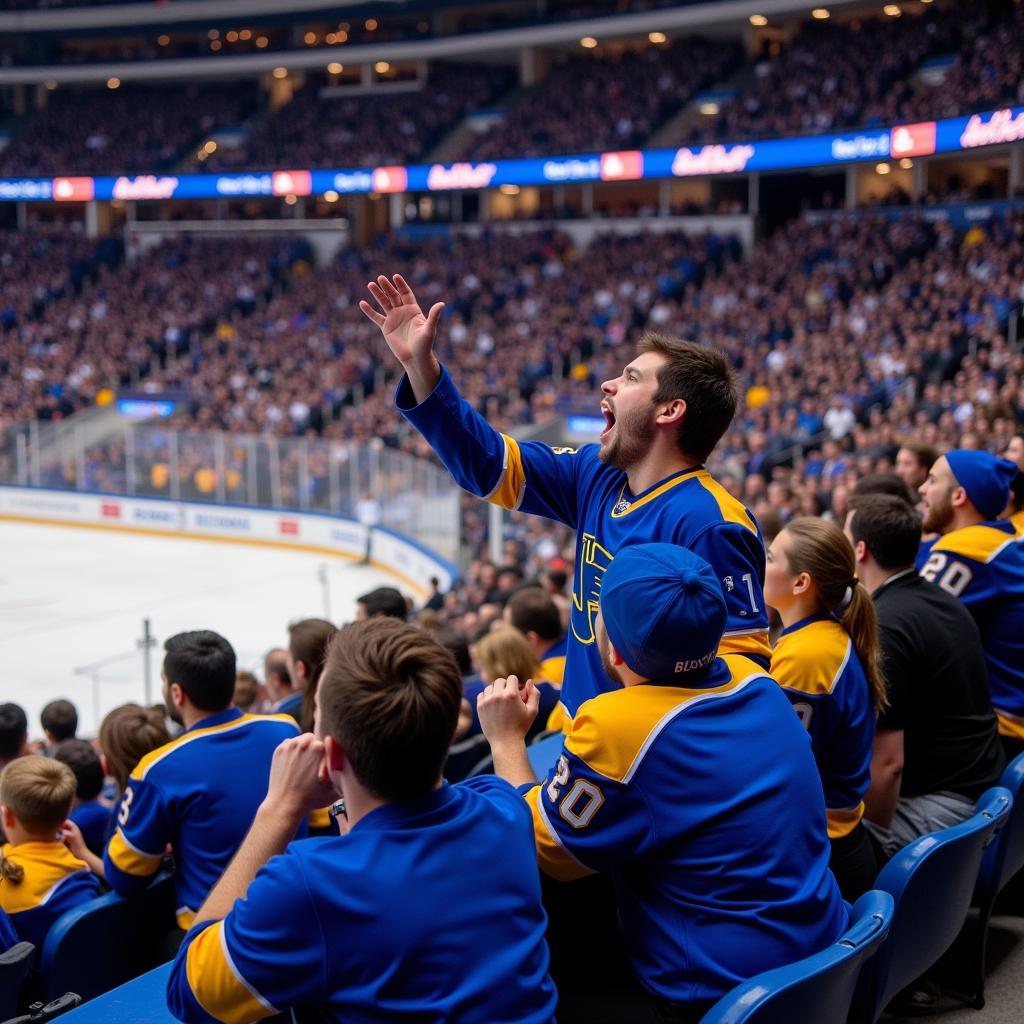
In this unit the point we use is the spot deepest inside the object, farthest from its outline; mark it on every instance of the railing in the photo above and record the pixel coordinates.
(413, 497)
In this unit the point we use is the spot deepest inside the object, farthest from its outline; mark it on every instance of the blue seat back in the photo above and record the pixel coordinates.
(15, 963)
(931, 880)
(818, 988)
(1005, 857)
(107, 941)
(544, 753)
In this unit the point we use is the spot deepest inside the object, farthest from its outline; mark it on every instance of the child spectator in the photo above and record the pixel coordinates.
(13, 733)
(127, 734)
(40, 878)
(59, 720)
(87, 812)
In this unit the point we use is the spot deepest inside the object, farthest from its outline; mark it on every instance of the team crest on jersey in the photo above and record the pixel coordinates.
(593, 563)
(623, 506)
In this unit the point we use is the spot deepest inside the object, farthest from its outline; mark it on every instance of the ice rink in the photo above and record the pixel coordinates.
(72, 602)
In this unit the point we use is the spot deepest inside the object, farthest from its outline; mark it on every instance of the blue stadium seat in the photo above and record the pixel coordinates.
(931, 880)
(544, 752)
(105, 942)
(819, 988)
(15, 964)
(1003, 859)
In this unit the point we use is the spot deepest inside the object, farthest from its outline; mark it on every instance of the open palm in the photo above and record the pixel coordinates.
(409, 334)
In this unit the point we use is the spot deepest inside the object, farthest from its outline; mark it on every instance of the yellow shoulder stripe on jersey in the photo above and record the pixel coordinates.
(154, 757)
(554, 859)
(508, 491)
(130, 859)
(215, 982)
(613, 731)
(47, 867)
(843, 822)
(979, 543)
(656, 493)
(812, 659)
(1010, 725)
(1018, 522)
(553, 669)
(746, 643)
(732, 510)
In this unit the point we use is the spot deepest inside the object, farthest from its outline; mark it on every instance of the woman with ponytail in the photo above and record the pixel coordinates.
(827, 662)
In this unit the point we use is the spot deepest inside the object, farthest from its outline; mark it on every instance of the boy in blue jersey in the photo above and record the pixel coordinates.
(692, 783)
(40, 878)
(427, 909)
(644, 482)
(88, 812)
(979, 559)
(199, 793)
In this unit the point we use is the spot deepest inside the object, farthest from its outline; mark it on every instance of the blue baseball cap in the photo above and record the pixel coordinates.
(985, 477)
(664, 610)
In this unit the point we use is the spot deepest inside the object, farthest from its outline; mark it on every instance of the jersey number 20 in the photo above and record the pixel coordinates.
(953, 577)
(580, 802)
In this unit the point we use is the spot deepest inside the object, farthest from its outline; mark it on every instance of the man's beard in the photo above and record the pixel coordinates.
(604, 648)
(634, 434)
(938, 517)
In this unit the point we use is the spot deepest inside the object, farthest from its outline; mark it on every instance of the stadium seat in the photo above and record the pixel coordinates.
(107, 941)
(931, 880)
(1003, 858)
(543, 753)
(819, 988)
(14, 967)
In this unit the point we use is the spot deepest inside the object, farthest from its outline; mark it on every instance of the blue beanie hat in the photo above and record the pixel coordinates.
(985, 477)
(663, 609)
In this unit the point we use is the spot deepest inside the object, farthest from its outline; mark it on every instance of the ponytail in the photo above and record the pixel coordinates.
(861, 622)
(819, 548)
(13, 874)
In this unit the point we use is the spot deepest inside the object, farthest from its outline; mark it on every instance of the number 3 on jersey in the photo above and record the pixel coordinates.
(126, 803)
(953, 577)
(581, 801)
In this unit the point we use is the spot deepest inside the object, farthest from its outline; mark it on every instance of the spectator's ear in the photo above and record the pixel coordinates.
(334, 756)
(7, 817)
(105, 765)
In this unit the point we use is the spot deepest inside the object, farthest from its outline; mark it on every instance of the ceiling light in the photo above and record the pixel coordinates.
(657, 37)
(216, 44)
(50, 84)
(331, 196)
(290, 200)
(371, 24)
(163, 40)
(335, 68)
(213, 33)
(280, 72)
(588, 42)
(232, 36)
(309, 38)
(906, 163)
(882, 168)
(892, 10)
(382, 67)
(509, 190)
(709, 109)
(262, 42)
(113, 83)
(821, 13)
(758, 20)
(245, 35)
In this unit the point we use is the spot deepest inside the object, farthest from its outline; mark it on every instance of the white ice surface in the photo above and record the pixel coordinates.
(72, 598)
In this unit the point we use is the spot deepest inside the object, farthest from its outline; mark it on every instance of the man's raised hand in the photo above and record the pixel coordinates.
(409, 334)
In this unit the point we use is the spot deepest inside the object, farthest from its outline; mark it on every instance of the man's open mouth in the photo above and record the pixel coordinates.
(609, 421)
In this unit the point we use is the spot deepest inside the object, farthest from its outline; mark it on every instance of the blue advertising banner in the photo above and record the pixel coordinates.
(958, 134)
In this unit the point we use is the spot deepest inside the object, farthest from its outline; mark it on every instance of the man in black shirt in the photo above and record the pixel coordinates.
(936, 746)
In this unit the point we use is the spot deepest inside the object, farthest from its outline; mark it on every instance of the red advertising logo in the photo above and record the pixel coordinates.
(291, 183)
(913, 140)
(73, 190)
(390, 179)
(289, 527)
(110, 510)
(625, 166)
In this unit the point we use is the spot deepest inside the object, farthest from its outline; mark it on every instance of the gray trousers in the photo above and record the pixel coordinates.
(917, 816)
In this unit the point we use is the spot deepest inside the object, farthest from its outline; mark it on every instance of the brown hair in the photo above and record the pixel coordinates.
(531, 609)
(38, 791)
(390, 695)
(820, 549)
(889, 527)
(504, 651)
(247, 690)
(307, 642)
(925, 454)
(127, 734)
(702, 378)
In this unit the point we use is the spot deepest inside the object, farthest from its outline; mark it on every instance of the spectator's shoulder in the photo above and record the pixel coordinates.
(503, 795)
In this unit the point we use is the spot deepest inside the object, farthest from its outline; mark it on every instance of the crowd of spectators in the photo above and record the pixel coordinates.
(312, 130)
(587, 102)
(835, 75)
(129, 129)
